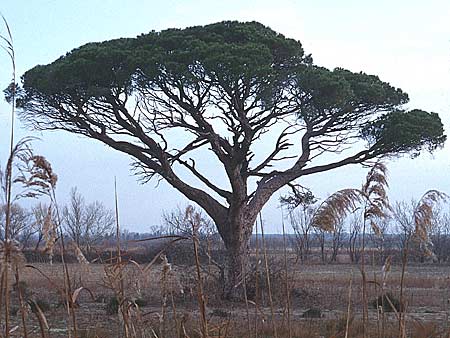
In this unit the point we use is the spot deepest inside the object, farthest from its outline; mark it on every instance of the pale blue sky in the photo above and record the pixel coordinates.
(406, 43)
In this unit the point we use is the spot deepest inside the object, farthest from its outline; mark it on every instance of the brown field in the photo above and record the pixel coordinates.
(167, 303)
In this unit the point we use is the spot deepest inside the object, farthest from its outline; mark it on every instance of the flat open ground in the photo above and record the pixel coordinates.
(324, 287)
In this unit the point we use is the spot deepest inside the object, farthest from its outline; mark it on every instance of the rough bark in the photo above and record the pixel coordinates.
(236, 236)
(236, 266)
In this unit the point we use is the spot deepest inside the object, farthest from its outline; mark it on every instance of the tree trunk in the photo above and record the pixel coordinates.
(236, 239)
(235, 270)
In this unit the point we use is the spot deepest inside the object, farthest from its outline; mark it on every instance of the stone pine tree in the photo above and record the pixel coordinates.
(226, 87)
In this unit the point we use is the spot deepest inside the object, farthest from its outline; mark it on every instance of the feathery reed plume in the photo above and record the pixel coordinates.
(80, 256)
(50, 235)
(385, 270)
(335, 208)
(372, 194)
(373, 197)
(36, 174)
(375, 193)
(423, 218)
(21, 151)
(376, 206)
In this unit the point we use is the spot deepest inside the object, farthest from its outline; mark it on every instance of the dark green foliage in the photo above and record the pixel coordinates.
(92, 70)
(342, 89)
(222, 55)
(13, 91)
(401, 131)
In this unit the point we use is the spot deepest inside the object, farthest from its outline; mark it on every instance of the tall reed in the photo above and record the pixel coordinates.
(422, 219)
(269, 286)
(194, 219)
(256, 279)
(349, 304)
(9, 48)
(287, 286)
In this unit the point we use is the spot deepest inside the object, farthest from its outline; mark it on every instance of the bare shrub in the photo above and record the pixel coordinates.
(86, 224)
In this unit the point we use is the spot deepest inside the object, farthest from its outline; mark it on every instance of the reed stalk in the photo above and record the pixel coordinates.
(200, 293)
(120, 294)
(269, 286)
(9, 48)
(401, 315)
(256, 279)
(364, 281)
(376, 293)
(175, 315)
(66, 273)
(349, 303)
(288, 290)
(21, 303)
(244, 285)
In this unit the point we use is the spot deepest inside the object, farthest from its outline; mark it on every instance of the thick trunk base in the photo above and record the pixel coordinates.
(234, 284)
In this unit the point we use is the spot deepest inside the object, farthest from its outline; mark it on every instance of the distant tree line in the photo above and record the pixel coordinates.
(91, 227)
(84, 224)
(344, 244)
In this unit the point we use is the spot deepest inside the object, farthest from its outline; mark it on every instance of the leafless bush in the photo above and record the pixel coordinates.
(86, 224)
(300, 220)
(20, 227)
